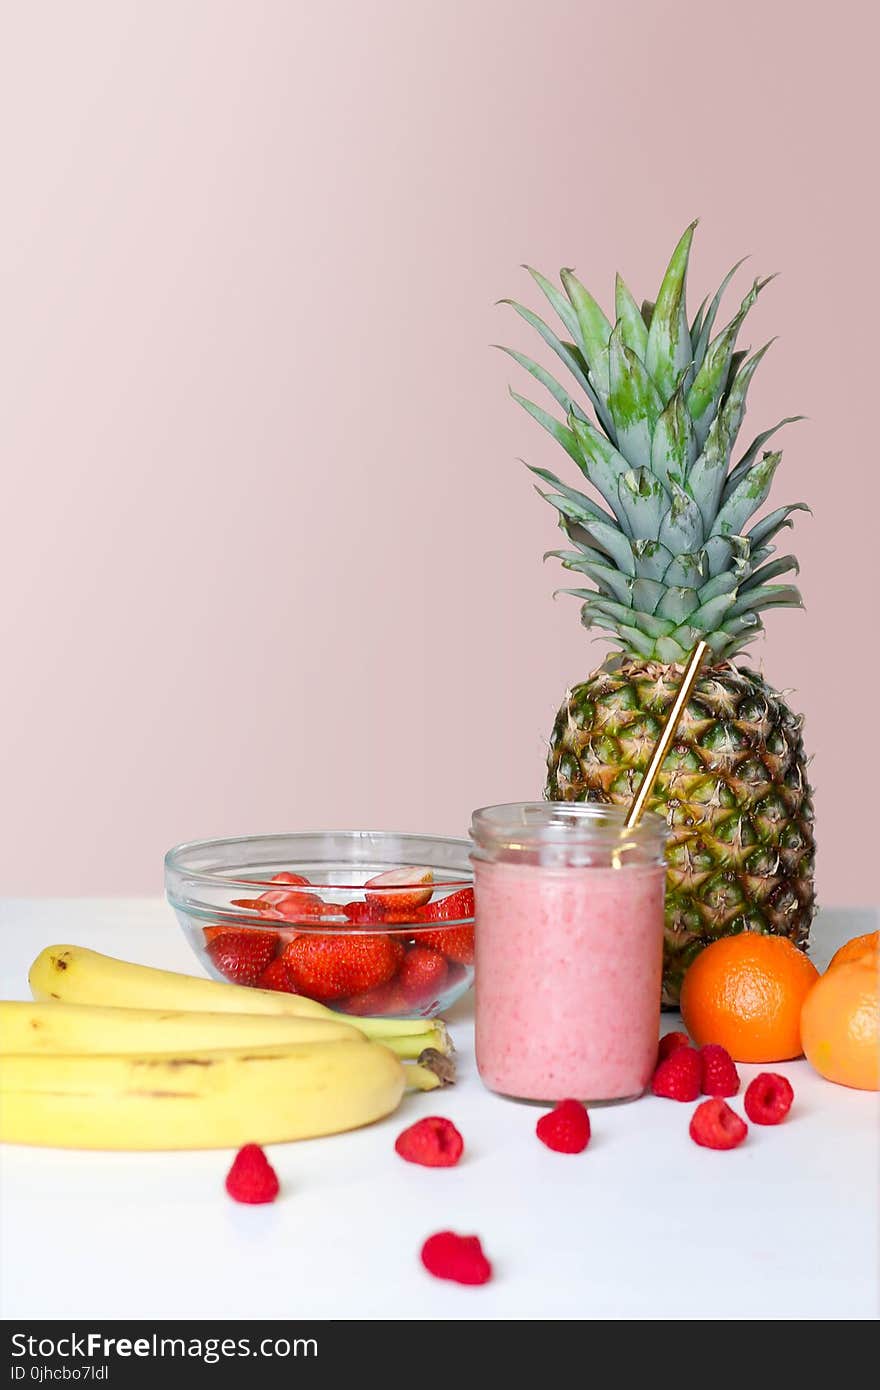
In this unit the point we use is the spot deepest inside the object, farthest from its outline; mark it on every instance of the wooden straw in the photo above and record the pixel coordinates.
(689, 680)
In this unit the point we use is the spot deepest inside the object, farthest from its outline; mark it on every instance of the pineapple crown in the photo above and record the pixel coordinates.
(669, 553)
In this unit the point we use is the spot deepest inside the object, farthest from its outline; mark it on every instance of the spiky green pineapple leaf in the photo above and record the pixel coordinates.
(681, 529)
(576, 498)
(561, 433)
(678, 603)
(771, 524)
(783, 565)
(641, 501)
(727, 553)
(707, 323)
(542, 375)
(669, 352)
(594, 330)
(567, 353)
(633, 400)
(711, 614)
(610, 580)
(647, 623)
(711, 380)
(747, 497)
(688, 571)
(557, 301)
(736, 474)
(720, 584)
(647, 593)
(768, 596)
(628, 315)
(652, 559)
(600, 462)
(674, 445)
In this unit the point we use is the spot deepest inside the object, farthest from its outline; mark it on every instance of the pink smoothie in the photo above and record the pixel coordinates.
(568, 971)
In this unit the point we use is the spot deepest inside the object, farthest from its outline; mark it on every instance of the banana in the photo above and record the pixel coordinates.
(76, 975)
(84, 1028)
(201, 1099)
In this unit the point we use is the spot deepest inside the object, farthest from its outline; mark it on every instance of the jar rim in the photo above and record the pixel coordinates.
(528, 824)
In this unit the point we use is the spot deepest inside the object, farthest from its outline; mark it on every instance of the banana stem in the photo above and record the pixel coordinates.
(411, 1047)
(384, 1028)
(430, 1072)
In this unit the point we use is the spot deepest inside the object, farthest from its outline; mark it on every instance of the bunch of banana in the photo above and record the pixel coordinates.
(203, 1065)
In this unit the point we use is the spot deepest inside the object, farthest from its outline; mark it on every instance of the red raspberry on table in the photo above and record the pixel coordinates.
(720, 1076)
(566, 1128)
(422, 975)
(330, 967)
(252, 1178)
(669, 1043)
(240, 953)
(768, 1098)
(433, 1142)
(276, 977)
(680, 1076)
(715, 1126)
(460, 1258)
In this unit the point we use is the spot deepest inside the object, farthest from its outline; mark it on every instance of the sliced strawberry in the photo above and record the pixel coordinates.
(400, 890)
(296, 907)
(455, 907)
(456, 943)
(375, 914)
(240, 954)
(330, 967)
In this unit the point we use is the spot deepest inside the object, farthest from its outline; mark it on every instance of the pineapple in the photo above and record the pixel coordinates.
(666, 541)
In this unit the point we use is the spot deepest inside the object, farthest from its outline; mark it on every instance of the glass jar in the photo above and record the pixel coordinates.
(569, 949)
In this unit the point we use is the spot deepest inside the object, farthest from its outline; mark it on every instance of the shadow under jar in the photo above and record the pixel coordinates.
(569, 949)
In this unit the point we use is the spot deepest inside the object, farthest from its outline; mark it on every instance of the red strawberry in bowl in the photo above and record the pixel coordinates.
(331, 967)
(240, 954)
(400, 890)
(456, 943)
(422, 976)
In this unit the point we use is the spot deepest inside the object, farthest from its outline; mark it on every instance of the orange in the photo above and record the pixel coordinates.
(745, 992)
(840, 1024)
(856, 948)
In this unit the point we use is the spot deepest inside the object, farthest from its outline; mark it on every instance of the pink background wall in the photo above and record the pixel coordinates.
(267, 559)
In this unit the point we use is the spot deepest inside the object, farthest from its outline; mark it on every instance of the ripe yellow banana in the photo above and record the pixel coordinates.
(200, 1099)
(76, 975)
(86, 1028)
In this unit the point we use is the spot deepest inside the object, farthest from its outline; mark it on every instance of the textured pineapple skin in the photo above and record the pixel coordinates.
(733, 789)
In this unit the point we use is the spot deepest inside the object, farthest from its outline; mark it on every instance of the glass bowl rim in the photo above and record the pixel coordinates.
(175, 866)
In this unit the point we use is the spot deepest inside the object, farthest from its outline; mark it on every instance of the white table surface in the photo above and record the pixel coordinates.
(644, 1224)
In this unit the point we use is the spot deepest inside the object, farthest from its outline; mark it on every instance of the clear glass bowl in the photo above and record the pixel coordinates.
(297, 913)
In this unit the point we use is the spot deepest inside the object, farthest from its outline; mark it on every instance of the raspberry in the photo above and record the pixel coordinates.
(715, 1126)
(432, 1142)
(565, 1128)
(720, 1076)
(768, 1098)
(252, 1178)
(450, 1256)
(669, 1043)
(679, 1077)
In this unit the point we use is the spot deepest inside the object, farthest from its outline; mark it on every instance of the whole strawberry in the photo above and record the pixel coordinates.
(715, 1126)
(422, 976)
(330, 967)
(680, 1076)
(252, 1179)
(434, 1142)
(383, 1001)
(277, 977)
(241, 954)
(566, 1129)
(720, 1076)
(447, 1255)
